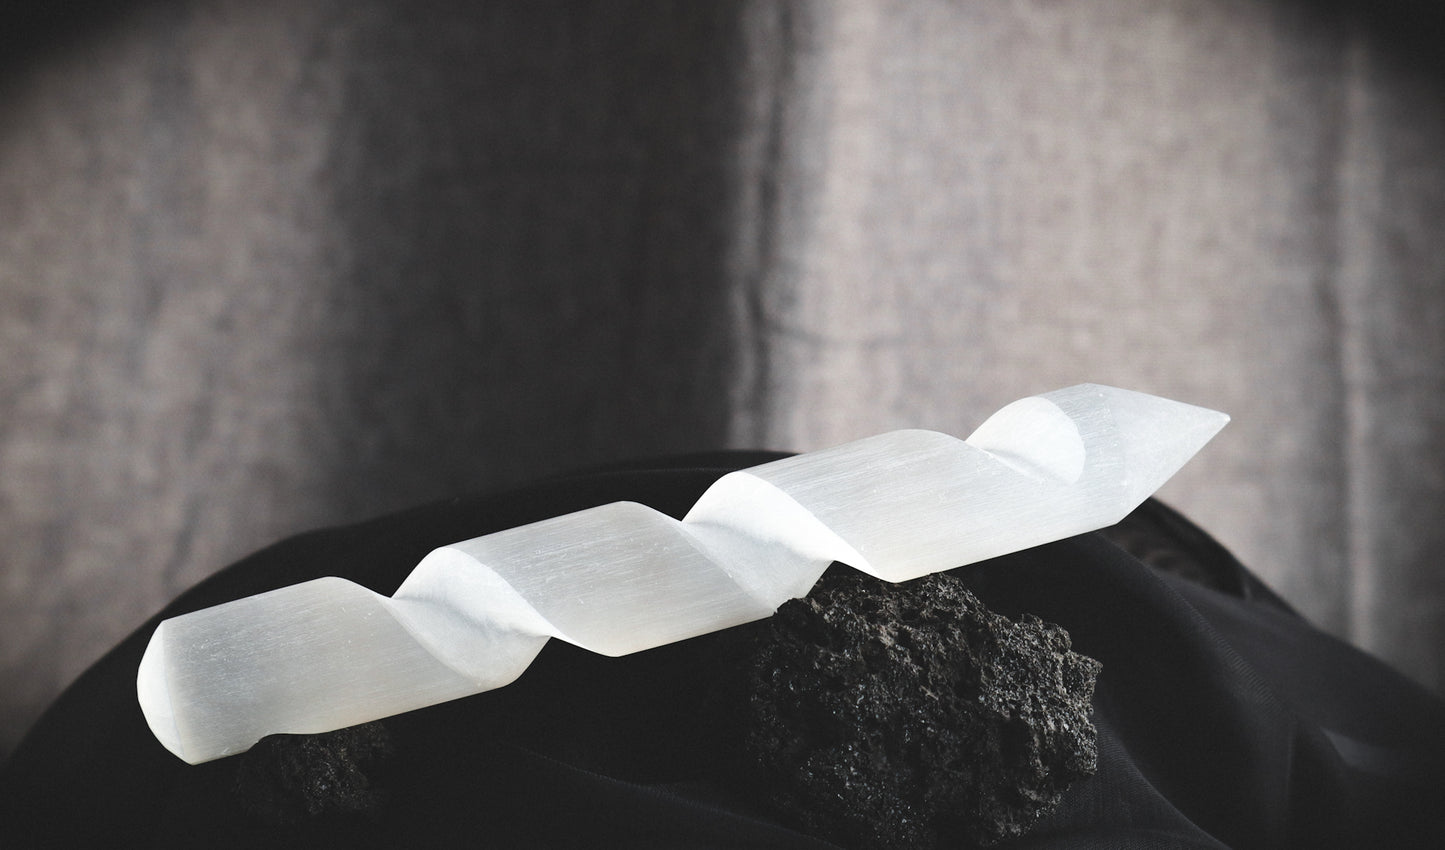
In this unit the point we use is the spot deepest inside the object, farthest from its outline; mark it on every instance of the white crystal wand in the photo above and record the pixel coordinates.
(619, 578)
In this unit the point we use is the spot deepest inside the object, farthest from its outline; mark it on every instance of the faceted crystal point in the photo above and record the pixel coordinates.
(1159, 436)
(620, 578)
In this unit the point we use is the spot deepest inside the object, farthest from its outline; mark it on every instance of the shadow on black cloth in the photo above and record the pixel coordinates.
(1224, 719)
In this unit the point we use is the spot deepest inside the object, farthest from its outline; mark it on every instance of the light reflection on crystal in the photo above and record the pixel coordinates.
(620, 578)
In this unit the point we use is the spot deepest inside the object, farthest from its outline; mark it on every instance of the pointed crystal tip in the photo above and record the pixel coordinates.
(1159, 435)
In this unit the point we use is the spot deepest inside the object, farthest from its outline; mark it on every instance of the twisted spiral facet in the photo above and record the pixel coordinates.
(622, 577)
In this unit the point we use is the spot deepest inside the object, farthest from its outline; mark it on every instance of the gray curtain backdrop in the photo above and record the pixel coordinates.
(271, 265)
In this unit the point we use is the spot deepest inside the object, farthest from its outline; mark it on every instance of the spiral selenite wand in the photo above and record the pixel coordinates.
(622, 577)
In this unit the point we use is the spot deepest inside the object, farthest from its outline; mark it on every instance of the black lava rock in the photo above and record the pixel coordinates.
(910, 715)
(286, 779)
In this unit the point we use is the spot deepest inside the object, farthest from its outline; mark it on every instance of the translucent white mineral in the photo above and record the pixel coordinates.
(620, 578)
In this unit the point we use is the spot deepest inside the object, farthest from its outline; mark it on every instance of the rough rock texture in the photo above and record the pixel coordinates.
(912, 716)
(288, 778)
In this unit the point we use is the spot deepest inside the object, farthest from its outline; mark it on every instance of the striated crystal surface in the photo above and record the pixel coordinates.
(620, 578)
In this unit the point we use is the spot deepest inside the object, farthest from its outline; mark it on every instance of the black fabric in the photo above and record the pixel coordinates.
(1224, 719)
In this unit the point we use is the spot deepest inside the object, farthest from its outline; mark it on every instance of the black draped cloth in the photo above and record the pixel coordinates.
(1224, 719)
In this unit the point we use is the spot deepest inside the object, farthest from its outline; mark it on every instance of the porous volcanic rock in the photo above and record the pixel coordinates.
(910, 715)
(286, 779)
